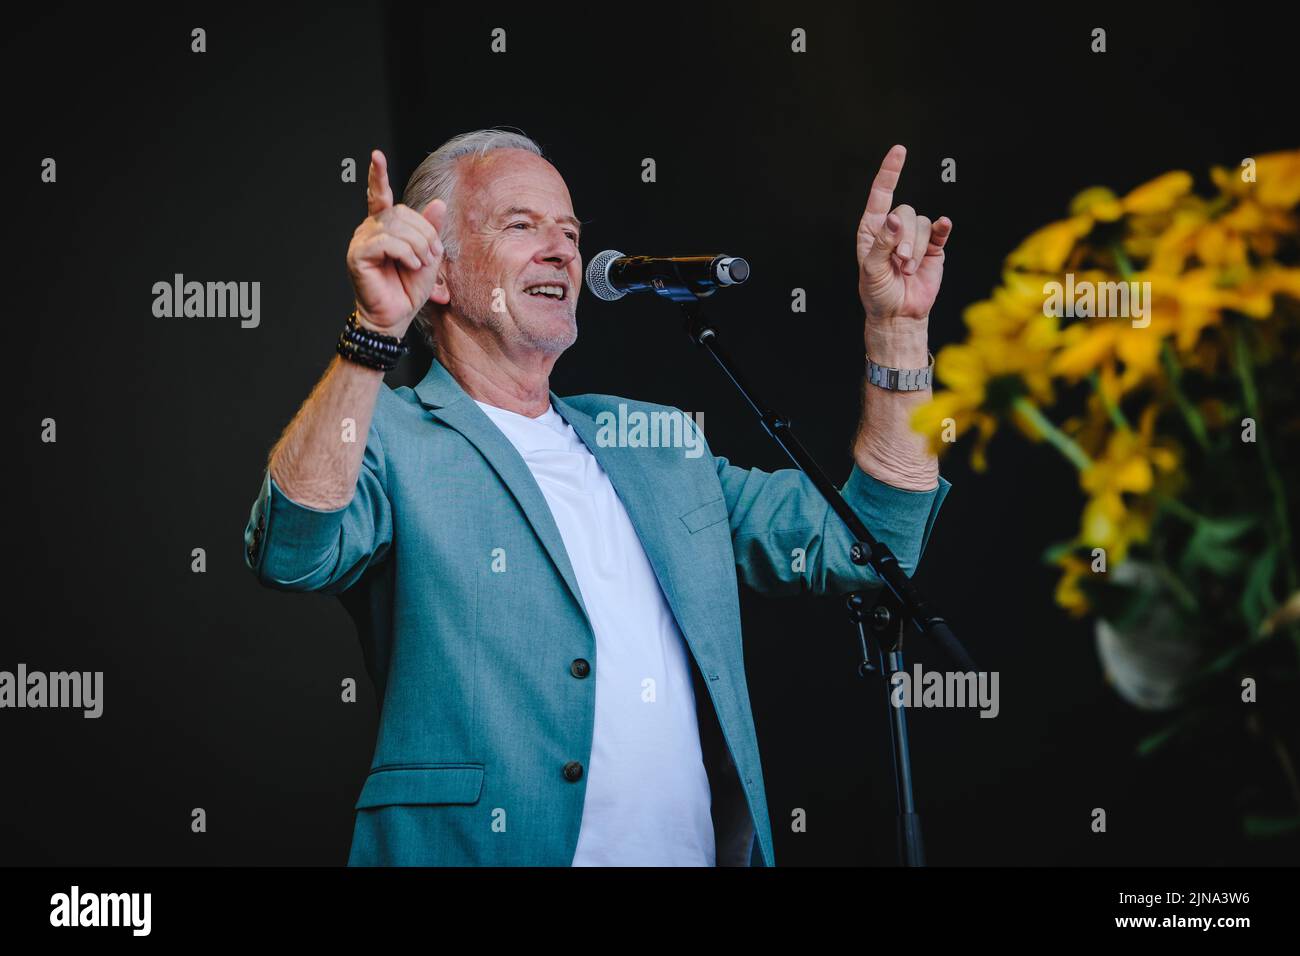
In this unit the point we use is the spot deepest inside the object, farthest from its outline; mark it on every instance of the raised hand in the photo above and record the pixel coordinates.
(395, 256)
(900, 254)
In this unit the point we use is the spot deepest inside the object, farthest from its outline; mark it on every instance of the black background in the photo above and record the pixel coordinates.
(226, 166)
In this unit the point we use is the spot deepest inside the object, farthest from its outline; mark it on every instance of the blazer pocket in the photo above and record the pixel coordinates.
(422, 784)
(709, 513)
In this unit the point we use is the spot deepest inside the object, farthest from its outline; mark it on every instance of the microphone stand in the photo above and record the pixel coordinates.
(901, 602)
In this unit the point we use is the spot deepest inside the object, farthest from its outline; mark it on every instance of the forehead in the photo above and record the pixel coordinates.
(505, 177)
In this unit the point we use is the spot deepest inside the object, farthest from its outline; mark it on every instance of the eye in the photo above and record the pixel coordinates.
(573, 236)
(513, 224)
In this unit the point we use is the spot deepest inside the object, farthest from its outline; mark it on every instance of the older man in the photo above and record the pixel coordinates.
(551, 620)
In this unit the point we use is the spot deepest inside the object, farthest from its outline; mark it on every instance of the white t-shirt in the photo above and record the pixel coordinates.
(647, 800)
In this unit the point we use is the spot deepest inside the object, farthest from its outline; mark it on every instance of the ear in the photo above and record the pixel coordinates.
(436, 214)
(441, 292)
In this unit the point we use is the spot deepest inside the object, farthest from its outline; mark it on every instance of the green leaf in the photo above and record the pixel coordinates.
(1058, 550)
(1149, 745)
(1257, 600)
(1210, 546)
(1230, 657)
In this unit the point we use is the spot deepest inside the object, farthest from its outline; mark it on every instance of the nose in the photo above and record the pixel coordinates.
(556, 248)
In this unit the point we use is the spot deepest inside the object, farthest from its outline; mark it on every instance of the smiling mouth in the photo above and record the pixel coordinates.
(550, 291)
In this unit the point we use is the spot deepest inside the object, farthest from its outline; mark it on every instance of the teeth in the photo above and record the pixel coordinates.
(555, 291)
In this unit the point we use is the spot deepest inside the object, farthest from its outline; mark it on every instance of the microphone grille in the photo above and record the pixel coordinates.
(598, 276)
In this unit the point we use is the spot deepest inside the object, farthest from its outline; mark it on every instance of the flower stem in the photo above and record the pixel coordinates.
(1178, 508)
(1195, 423)
(1281, 522)
(1121, 260)
(1172, 369)
(1116, 413)
(1055, 437)
(1176, 587)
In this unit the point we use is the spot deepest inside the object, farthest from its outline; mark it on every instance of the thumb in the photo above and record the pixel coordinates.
(877, 260)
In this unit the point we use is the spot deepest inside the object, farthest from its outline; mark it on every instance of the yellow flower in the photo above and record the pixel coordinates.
(1252, 294)
(1107, 523)
(1129, 459)
(1087, 347)
(1096, 343)
(1091, 430)
(1166, 239)
(1010, 338)
(1192, 301)
(1068, 593)
(1099, 203)
(1128, 466)
(1277, 180)
(952, 412)
(1197, 298)
(1221, 244)
(1279, 279)
(1046, 249)
(1158, 195)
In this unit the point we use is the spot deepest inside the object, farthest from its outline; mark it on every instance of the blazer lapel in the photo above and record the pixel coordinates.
(443, 396)
(641, 492)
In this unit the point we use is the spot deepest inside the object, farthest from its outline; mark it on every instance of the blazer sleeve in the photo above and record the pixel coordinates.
(788, 540)
(292, 547)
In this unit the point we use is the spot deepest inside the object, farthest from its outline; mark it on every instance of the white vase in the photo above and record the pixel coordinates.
(1149, 661)
(1146, 666)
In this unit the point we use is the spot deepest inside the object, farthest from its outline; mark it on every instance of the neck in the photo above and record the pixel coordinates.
(518, 381)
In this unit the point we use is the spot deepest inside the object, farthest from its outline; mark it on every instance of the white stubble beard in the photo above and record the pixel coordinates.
(475, 304)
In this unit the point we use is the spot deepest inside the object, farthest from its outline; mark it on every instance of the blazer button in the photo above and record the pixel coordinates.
(572, 771)
(579, 668)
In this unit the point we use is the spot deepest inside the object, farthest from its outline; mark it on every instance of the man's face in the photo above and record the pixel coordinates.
(516, 231)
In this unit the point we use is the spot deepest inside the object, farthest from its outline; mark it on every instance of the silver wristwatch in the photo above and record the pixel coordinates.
(900, 379)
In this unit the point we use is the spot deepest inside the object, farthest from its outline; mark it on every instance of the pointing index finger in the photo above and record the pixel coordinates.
(881, 198)
(378, 194)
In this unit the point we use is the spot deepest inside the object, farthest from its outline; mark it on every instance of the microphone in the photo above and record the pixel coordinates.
(612, 275)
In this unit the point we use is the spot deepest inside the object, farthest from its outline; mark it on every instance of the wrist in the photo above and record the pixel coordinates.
(366, 322)
(917, 474)
(899, 341)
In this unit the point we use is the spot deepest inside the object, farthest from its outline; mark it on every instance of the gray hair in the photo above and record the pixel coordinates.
(437, 178)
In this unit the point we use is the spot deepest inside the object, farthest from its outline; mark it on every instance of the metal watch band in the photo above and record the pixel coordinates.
(901, 379)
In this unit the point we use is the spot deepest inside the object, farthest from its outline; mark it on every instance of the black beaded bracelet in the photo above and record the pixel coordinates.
(369, 348)
(363, 356)
(380, 347)
(352, 353)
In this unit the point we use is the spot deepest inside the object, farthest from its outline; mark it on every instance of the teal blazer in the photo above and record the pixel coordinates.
(476, 637)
